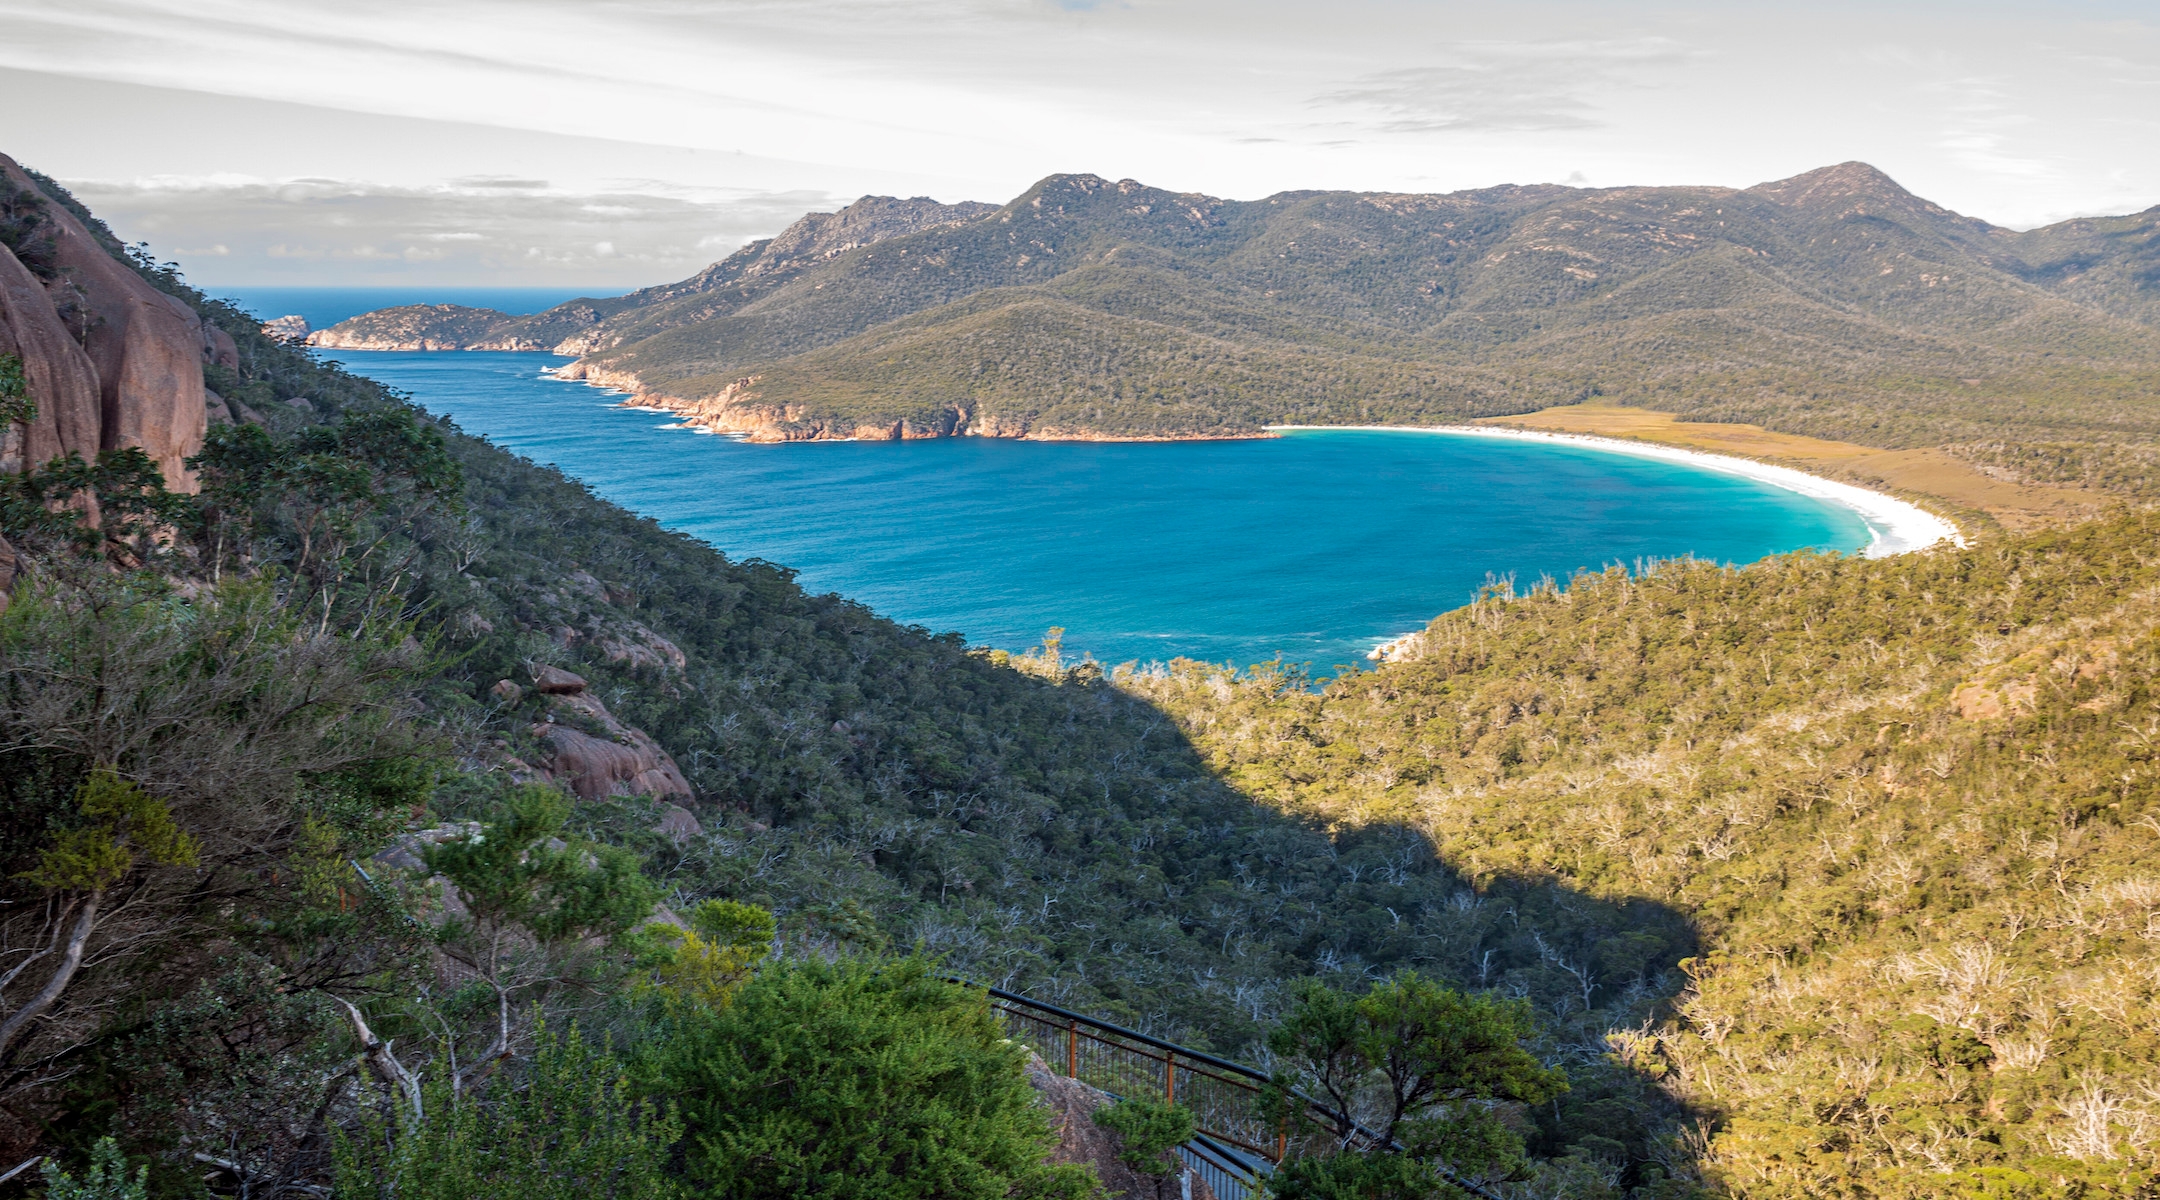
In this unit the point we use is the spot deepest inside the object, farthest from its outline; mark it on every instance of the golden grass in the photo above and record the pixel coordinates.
(1957, 487)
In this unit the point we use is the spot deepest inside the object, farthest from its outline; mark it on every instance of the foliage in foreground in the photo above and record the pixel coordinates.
(568, 1128)
(1423, 1073)
(859, 1081)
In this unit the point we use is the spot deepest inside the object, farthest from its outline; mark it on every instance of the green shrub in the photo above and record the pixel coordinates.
(1353, 1176)
(1150, 1130)
(569, 1129)
(857, 1082)
(107, 1178)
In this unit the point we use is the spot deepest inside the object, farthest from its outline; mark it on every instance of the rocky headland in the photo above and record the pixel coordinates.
(414, 327)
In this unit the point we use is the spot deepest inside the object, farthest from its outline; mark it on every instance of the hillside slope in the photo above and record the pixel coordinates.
(1912, 807)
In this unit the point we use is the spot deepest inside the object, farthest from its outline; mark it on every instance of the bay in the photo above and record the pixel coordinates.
(1313, 546)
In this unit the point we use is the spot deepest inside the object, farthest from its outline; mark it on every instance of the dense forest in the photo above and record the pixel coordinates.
(1820, 876)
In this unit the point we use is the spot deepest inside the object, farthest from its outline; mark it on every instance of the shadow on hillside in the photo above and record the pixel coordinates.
(877, 784)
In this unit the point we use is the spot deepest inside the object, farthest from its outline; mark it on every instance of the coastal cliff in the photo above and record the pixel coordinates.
(110, 361)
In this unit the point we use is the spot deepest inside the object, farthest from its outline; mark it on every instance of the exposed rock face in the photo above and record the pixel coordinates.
(145, 347)
(623, 762)
(641, 647)
(1072, 1106)
(678, 823)
(219, 348)
(7, 573)
(63, 382)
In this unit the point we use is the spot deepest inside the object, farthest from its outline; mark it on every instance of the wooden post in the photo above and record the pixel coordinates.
(1170, 1077)
(1072, 1049)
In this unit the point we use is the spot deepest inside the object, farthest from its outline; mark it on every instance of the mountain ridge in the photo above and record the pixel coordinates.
(1804, 304)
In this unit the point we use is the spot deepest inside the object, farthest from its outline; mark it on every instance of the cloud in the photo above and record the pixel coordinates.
(1505, 87)
(263, 231)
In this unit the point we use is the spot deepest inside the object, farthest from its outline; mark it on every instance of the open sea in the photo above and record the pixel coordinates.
(1314, 546)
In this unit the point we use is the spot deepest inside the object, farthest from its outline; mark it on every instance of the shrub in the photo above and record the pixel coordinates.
(570, 1129)
(857, 1082)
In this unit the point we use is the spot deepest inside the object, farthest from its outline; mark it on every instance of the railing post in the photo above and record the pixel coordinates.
(1072, 1049)
(1170, 1077)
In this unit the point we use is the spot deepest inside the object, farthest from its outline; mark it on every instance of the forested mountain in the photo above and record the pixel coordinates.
(1815, 304)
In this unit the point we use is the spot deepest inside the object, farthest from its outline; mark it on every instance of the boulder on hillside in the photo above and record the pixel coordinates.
(641, 647)
(632, 765)
(1072, 1106)
(554, 681)
(219, 349)
(678, 824)
(624, 761)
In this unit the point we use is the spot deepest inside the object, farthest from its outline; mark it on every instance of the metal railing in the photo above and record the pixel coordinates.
(1235, 1149)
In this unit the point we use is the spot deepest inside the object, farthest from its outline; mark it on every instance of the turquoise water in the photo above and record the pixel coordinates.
(1314, 545)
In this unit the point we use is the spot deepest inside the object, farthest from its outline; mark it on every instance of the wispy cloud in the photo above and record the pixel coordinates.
(1508, 87)
(553, 128)
(264, 232)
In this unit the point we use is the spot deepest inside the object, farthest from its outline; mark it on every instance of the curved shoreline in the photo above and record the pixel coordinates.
(1894, 526)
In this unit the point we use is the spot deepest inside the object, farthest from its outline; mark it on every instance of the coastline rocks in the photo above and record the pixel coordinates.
(292, 328)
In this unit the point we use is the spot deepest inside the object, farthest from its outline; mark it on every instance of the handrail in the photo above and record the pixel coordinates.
(1173, 1052)
(1256, 1076)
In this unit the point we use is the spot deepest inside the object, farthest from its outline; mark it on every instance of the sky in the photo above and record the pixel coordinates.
(617, 144)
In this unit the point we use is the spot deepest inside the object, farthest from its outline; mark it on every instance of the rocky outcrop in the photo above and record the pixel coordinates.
(145, 349)
(594, 754)
(1072, 1106)
(63, 382)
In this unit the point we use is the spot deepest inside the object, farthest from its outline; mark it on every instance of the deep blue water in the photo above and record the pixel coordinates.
(1315, 545)
(325, 306)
